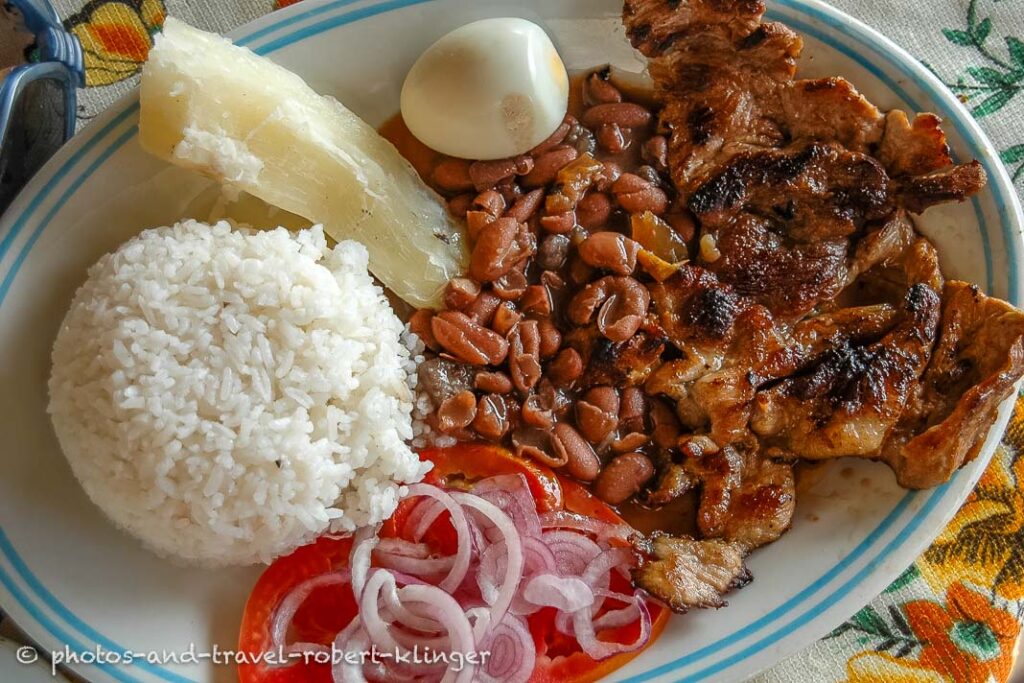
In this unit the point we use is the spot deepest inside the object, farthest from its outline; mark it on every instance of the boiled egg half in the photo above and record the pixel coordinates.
(488, 90)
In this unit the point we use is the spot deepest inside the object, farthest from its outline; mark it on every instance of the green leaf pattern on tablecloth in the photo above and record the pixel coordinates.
(891, 633)
(991, 87)
(997, 81)
(1014, 158)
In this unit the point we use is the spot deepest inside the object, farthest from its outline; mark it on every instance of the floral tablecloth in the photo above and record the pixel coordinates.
(956, 614)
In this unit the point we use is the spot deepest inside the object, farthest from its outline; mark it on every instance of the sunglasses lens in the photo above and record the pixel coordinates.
(35, 132)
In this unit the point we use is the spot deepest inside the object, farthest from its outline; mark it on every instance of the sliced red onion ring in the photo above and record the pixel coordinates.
(363, 543)
(462, 555)
(290, 605)
(562, 519)
(564, 593)
(611, 619)
(394, 611)
(369, 612)
(480, 618)
(480, 541)
(450, 613)
(538, 558)
(422, 517)
(563, 623)
(493, 566)
(512, 653)
(620, 617)
(430, 566)
(572, 550)
(598, 572)
(400, 546)
(511, 493)
(586, 636)
(509, 562)
(381, 633)
(514, 554)
(352, 639)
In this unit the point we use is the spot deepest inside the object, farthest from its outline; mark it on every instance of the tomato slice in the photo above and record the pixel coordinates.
(330, 609)
(576, 498)
(324, 614)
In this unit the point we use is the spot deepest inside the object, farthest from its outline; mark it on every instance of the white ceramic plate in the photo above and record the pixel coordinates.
(24, 664)
(69, 578)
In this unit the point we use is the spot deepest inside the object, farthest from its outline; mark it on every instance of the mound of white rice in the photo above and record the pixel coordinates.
(226, 396)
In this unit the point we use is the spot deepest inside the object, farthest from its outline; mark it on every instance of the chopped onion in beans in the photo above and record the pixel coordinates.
(510, 562)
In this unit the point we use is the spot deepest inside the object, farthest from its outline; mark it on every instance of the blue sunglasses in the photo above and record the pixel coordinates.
(37, 100)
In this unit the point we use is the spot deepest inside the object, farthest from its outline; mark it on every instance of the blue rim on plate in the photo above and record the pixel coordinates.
(911, 511)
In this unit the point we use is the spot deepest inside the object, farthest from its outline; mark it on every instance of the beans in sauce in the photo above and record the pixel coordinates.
(556, 276)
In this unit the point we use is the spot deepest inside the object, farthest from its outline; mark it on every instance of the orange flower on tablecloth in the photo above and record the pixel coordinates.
(116, 36)
(984, 543)
(879, 667)
(286, 3)
(969, 640)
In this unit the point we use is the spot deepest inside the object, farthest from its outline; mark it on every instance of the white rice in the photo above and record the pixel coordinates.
(227, 396)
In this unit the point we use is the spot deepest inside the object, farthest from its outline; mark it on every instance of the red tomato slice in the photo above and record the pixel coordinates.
(330, 609)
(324, 614)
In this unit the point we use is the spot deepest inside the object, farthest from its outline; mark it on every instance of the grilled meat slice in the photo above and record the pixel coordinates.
(913, 147)
(730, 348)
(782, 221)
(722, 336)
(784, 175)
(712, 63)
(745, 498)
(726, 397)
(802, 192)
(698, 314)
(652, 30)
(816, 192)
(978, 359)
(727, 82)
(884, 245)
(674, 479)
(954, 184)
(605, 362)
(686, 573)
(813, 337)
(849, 402)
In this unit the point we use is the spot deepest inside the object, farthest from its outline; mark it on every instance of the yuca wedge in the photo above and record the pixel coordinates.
(222, 110)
